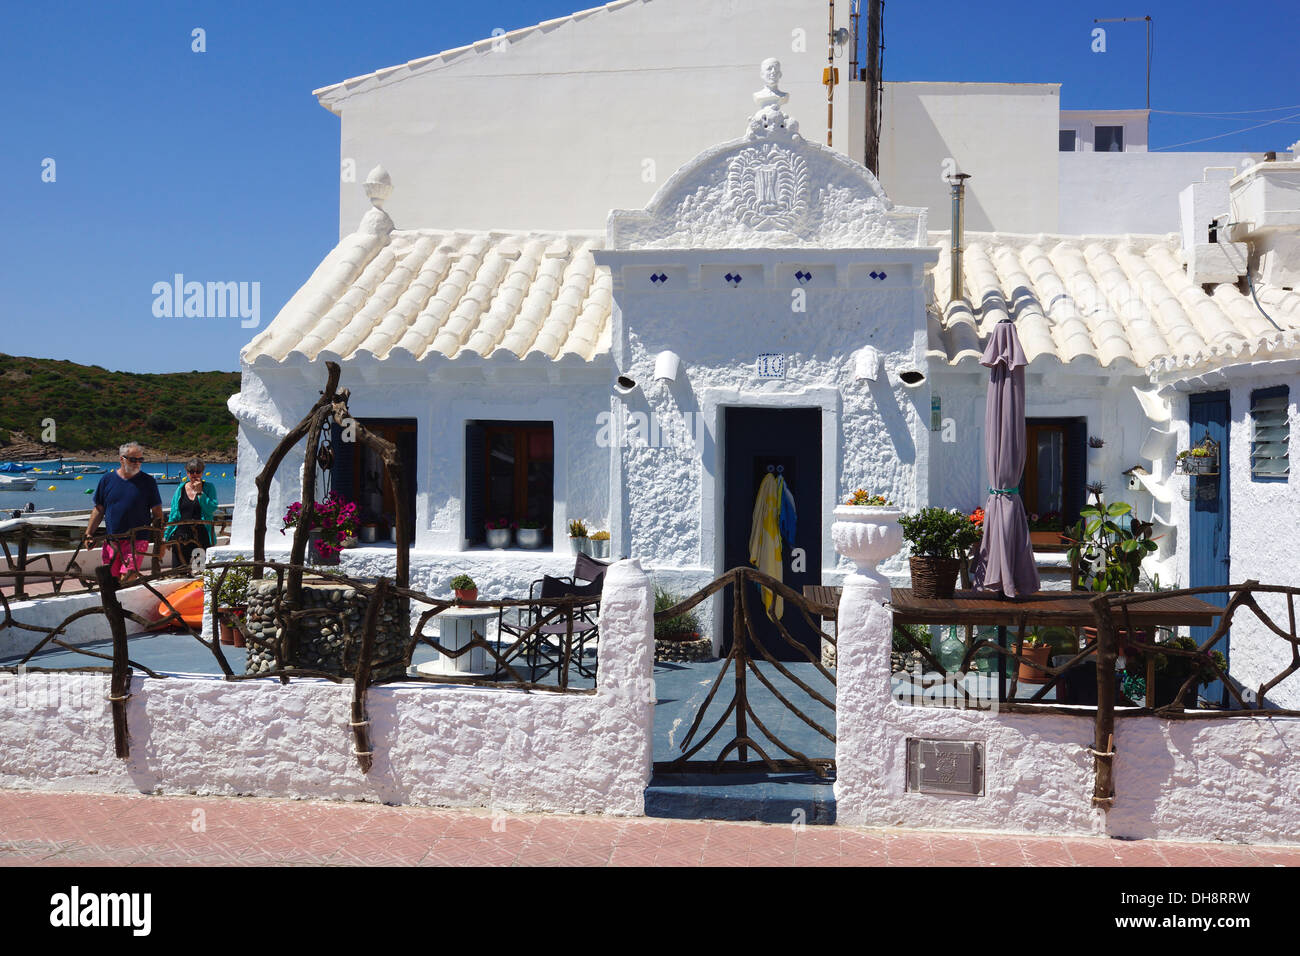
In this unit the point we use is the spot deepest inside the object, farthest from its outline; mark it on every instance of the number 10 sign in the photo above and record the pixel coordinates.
(770, 365)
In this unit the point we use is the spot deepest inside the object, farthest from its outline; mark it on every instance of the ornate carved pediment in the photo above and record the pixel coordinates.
(770, 188)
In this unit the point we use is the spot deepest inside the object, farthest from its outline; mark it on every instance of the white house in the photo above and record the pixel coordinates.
(765, 305)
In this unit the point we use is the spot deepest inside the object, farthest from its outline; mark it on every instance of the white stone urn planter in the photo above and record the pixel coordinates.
(866, 536)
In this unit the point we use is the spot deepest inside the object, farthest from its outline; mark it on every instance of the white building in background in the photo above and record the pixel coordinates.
(587, 298)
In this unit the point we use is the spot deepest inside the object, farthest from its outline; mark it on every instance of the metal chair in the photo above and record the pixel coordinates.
(556, 636)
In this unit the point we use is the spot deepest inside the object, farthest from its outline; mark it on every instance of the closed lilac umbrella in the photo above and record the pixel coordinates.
(1006, 558)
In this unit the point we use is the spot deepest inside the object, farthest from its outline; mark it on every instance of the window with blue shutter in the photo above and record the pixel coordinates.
(1270, 434)
(509, 475)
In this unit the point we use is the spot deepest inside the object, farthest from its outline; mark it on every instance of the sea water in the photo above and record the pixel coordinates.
(78, 494)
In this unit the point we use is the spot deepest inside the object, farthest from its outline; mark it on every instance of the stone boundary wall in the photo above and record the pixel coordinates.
(1225, 780)
(434, 745)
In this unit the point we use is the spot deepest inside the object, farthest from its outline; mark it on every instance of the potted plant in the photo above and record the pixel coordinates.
(1036, 650)
(1107, 547)
(1202, 459)
(333, 521)
(464, 588)
(531, 533)
(230, 601)
(499, 533)
(1095, 445)
(864, 499)
(578, 536)
(600, 544)
(940, 538)
(1171, 673)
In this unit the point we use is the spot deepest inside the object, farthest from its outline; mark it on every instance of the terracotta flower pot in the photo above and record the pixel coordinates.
(470, 594)
(237, 636)
(1037, 653)
(1121, 639)
(226, 631)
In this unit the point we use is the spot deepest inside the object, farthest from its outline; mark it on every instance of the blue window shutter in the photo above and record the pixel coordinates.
(475, 481)
(343, 474)
(1075, 493)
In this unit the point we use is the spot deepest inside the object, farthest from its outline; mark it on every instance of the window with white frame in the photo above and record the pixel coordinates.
(1270, 434)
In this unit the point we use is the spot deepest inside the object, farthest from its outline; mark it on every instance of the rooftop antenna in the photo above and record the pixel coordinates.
(1135, 20)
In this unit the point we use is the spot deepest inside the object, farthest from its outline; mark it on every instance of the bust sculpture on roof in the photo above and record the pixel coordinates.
(769, 101)
(769, 95)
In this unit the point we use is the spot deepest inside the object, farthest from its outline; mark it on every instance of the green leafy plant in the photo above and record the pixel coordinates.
(940, 532)
(463, 582)
(686, 623)
(600, 536)
(531, 524)
(1108, 547)
(577, 528)
(233, 591)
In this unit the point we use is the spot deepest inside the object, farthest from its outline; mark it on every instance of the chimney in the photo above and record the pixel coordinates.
(958, 181)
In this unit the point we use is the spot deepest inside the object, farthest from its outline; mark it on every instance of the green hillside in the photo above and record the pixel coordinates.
(181, 413)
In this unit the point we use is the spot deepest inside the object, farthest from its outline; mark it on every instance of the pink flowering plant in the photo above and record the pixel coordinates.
(335, 518)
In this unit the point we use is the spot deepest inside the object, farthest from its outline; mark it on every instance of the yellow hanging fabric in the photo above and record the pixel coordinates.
(765, 540)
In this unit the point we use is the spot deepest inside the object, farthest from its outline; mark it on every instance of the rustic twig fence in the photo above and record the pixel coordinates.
(741, 662)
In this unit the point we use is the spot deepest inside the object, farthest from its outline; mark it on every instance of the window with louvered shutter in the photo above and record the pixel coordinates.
(1270, 434)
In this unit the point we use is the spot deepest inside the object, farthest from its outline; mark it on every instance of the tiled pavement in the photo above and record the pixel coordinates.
(69, 829)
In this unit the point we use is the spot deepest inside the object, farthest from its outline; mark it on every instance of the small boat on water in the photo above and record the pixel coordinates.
(12, 467)
(88, 469)
(166, 479)
(15, 483)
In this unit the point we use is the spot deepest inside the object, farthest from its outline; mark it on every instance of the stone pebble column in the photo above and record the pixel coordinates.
(865, 536)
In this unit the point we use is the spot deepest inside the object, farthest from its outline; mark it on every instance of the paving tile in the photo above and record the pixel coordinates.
(113, 830)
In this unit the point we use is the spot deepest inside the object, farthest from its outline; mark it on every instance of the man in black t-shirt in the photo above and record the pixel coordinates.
(129, 499)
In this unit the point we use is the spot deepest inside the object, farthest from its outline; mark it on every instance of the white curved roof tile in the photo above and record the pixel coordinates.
(1122, 302)
(453, 294)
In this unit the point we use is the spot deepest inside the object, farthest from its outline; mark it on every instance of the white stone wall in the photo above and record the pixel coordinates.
(1261, 516)
(1003, 134)
(1234, 780)
(874, 434)
(441, 401)
(53, 611)
(957, 467)
(1112, 193)
(555, 127)
(440, 746)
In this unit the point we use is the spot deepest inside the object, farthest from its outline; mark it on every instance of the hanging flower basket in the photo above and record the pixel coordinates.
(1202, 459)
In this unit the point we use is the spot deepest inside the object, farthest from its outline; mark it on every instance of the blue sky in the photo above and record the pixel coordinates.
(221, 165)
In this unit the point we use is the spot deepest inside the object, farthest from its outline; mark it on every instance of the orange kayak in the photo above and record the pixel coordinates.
(186, 601)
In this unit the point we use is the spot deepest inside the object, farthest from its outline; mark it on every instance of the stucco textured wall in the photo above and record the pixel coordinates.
(1231, 780)
(454, 746)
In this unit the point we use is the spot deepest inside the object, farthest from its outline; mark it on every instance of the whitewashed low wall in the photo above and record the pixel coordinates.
(1233, 780)
(434, 745)
(53, 611)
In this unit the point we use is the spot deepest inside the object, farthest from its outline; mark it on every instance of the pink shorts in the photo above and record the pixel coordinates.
(122, 557)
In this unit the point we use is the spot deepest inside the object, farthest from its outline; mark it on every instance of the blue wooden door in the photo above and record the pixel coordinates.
(1209, 412)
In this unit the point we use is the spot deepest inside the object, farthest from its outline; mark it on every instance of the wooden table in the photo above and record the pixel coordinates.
(1044, 608)
(1072, 609)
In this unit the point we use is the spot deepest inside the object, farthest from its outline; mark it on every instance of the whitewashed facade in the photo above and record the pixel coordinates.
(768, 272)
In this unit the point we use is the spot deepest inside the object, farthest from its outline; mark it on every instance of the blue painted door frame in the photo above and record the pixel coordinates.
(1210, 511)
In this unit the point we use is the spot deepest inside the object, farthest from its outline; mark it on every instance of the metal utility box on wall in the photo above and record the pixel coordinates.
(945, 766)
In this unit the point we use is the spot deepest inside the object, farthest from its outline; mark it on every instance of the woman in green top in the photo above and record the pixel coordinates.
(195, 500)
